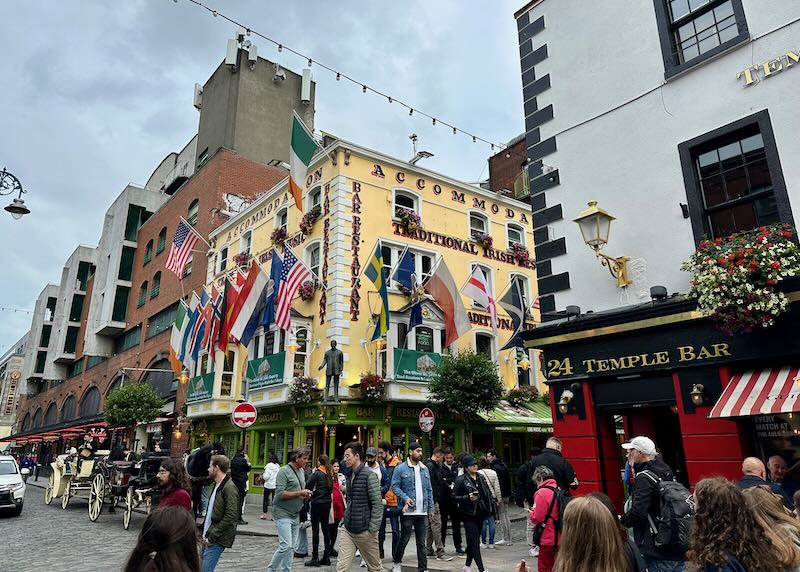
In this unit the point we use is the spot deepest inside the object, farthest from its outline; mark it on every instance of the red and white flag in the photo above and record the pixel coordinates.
(182, 244)
(478, 289)
(444, 291)
(293, 274)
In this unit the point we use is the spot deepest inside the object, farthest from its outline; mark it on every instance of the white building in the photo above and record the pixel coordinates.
(677, 116)
(10, 384)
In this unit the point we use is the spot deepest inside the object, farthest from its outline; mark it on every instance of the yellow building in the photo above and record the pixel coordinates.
(358, 193)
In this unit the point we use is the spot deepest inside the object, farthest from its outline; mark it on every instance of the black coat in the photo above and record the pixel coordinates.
(449, 477)
(463, 486)
(553, 460)
(749, 481)
(240, 468)
(321, 493)
(646, 501)
(437, 480)
(503, 476)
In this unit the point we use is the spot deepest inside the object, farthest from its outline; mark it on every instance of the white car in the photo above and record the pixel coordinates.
(12, 485)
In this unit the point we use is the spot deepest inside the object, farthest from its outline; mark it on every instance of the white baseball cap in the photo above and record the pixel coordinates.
(641, 443)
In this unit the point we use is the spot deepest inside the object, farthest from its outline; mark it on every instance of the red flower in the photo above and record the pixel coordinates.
(775, 265)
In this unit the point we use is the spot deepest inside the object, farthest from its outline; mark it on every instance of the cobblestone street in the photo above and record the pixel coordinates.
(47, 537)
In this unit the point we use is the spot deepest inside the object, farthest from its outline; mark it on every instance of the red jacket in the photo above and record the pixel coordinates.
(176, 497)
(338, 501)
(541, 503)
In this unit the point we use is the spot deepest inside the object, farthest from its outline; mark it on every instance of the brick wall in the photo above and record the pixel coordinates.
(503, 170)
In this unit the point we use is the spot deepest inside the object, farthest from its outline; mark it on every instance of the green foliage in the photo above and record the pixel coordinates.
(132, 404)
(546, 398)
(466, 384)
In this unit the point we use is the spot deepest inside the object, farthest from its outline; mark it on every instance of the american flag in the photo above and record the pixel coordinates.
(294, 273)
(181, 249)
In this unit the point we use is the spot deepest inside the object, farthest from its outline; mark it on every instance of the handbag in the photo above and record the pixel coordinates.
(538, 530)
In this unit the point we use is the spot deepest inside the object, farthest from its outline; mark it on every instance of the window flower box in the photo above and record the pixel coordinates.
(308, 220)
(278, 236)
(409, 219)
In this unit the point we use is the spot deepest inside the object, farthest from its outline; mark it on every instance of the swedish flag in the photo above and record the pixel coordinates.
(374, 271)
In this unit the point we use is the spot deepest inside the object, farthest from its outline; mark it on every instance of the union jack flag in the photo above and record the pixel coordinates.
(294, 273)
(181, 249)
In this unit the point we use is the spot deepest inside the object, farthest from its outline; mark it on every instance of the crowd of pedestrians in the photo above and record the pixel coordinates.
(724, 526)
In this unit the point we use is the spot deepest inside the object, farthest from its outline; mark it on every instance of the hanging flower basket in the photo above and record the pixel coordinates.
(521, 395)
(411, 220)
(241, 260)
(308, 220)
(372, 388)
(520, 253)
(306, 290)
(278, 236)
(484, 239)
(302, 390)
(735, 277)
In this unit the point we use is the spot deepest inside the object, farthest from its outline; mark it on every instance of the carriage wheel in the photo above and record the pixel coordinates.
(96, 496)
(65, 496)
(126, 516)
(48, 492)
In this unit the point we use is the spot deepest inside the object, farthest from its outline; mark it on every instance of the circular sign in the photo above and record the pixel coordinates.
(426, 420)
(244, 415)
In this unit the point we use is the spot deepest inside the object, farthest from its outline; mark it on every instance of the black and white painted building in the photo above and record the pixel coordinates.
(677, 116)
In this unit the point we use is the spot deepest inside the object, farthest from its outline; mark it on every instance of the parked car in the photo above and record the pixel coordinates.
(12, 485)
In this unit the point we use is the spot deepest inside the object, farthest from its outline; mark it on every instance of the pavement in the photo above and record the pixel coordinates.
(45, 536)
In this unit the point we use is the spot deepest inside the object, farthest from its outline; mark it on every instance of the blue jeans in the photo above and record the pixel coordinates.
(656, 565)
(211, 554)
(287, 537)
(392, 514)
(490, 527)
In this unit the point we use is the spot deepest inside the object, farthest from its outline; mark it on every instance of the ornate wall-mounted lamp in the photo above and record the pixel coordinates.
(9, 184)
(697, 394)
(595, 225)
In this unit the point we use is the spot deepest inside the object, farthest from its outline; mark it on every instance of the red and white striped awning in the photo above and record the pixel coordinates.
(760, 392)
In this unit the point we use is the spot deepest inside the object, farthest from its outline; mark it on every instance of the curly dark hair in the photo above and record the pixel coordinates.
(167, 543)
(178, 479)
(724, 526)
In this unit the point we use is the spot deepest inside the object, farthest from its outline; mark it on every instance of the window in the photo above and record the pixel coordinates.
(93, 361)
(128, 340)
(160, 378)
(44, 339)
(245, 241)
(187, 269)
(191, 214)
(84, 271)
(51, 417)
(734, 180)
(312, 259)
(148, 251)
(405, 200)
(51, 310)
(524, 287)
(120, 310)
(126, 263)
(692, 31)
(156, 287)
(26, 422)
(515, 234)
(484, 344)
(37, 418)
(301, 355)
(142, 294)
(161, 321)
(162, 241)
(68, 409)
(423, 263)
(71, 340)
(222, 260)
(282, 218)
(478, 224)
(315, 197)
(76, 368)
(137, 216)
(76, 309)
(41, 360)
(227, 374)
(90, 403)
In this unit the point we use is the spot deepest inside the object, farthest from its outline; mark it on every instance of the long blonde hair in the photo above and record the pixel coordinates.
(781, 530)
(590, 538)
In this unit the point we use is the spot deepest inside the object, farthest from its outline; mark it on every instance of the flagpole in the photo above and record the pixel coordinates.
(191, 228)
(311, 135)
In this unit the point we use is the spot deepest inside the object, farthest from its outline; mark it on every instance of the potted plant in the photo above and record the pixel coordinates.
(306, 290)
(372, 387)
(521, 395)
(278, 236)
(410, 219)
(735, 277)
(520, 253)
(484, 239)
(302, 390)
(308, 220)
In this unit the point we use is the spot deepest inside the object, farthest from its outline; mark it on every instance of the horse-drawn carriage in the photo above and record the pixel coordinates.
(75, 477)
(137, 483)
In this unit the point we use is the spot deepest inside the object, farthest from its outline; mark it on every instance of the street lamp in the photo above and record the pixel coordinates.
(595, 225)
(9, 185)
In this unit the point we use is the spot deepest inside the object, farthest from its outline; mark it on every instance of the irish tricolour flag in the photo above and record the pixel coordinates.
(300, 153)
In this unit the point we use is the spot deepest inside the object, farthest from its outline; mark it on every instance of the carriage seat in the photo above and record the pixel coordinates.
(86, 469)
(127, 467)
(102, 453)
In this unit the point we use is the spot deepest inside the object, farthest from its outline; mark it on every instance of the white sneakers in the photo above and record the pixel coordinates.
(397, 568)
(500, 542)
(466, 569)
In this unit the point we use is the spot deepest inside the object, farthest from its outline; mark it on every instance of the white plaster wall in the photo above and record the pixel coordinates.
(604, 54)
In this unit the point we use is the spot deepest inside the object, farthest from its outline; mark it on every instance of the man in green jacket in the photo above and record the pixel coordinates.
(219, 527)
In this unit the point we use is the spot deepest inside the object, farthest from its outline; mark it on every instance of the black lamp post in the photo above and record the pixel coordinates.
(10, 185)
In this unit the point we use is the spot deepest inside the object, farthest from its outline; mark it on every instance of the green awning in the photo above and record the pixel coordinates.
(536, 413)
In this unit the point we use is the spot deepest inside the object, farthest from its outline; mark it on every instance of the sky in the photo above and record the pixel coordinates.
(95, 94)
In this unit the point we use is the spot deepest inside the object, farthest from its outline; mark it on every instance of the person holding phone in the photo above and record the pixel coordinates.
(471, 492)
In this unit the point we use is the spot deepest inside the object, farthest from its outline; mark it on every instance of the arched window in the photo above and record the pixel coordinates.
(191, 214)
(148, 251)
(162, 241)
(156, 287)
(37, 418)
(478, 224)
(515, 234)
(245, 242)
(160, 378)
(282, 218)
(115, 385)
(26, 422)
(142, 294)
(51, 417)
(90, 403)
(315, 197)
(405, 200)
(484, 344)
(312, 258)
(525, 288)
(68, 409)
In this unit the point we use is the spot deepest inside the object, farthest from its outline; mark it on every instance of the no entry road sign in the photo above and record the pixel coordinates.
(244, 415)
(426, 420)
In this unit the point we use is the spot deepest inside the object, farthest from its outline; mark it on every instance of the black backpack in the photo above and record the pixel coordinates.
(674, 521)
(555, 512)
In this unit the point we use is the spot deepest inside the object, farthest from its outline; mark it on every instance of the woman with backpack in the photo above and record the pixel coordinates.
(726, 536)
(591, 539)
(545, 517)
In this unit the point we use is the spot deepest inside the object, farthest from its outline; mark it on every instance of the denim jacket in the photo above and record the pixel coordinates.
(403, 486)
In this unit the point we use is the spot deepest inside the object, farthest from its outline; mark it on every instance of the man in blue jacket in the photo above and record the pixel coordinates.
(411, 483)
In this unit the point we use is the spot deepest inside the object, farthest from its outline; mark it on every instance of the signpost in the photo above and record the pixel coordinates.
(426, 422)
(244, 415)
